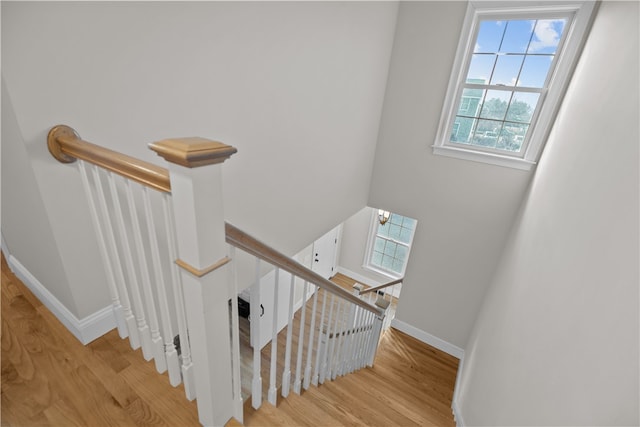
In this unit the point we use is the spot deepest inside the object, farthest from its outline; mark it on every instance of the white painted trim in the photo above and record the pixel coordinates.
(396, 289)
(427, 338)
(457, 415)
(357, 276)
(5, 248)
(86, 329)
(483, 157)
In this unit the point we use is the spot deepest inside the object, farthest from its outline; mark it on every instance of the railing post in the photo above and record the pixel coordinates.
(196, 187)
(375, 339)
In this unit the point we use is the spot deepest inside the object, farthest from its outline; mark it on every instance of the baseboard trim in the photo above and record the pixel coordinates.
(427, 338)
(86, 329)
(457, 415)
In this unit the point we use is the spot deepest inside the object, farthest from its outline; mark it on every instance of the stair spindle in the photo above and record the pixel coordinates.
(286, 374)
(272, 396)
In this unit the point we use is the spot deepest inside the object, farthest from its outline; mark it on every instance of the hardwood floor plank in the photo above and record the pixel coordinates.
(50, 379)
(63, 413)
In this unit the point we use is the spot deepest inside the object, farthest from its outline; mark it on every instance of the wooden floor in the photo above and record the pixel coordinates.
(246, 351)
(50, 379)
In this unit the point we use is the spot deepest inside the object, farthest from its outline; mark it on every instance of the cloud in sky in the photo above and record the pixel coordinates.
(545, 34)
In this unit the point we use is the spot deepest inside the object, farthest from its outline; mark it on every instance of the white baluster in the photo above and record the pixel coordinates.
(298, 382)
(362, 338)
(340, 340)
(286, 374)
(108, 265)
(185, 345)
(333, 341)
(130, 321)
(348, 344)
(325, 348)
(316, 373)
(346, 359)
(235, 337)
(157, 351)
(272, 396)
(143, 329)
(307, 371)
(366, 338)
(170, 353)
(256, 384)
(357, 339)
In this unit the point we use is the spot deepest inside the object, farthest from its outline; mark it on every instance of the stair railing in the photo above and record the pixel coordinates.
(341, 335)
(170, 264)
(161, 237)
(381, 296)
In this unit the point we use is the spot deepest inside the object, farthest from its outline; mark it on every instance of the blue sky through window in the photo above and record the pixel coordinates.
(517, 52)
(508, 55)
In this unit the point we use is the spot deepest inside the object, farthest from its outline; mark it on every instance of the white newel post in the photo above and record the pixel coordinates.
(196, 187)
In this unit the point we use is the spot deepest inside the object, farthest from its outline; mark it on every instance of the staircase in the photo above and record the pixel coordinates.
(172, 266)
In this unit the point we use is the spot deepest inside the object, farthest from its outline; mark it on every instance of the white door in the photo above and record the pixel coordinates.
(325, 251)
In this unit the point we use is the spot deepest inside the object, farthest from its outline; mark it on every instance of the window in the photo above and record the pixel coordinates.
(510, 71)
(389, 245)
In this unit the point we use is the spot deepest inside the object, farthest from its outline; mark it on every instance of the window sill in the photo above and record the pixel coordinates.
(478, 156)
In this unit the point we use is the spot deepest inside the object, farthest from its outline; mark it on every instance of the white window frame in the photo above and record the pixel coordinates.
(373, 231)
(579, 14)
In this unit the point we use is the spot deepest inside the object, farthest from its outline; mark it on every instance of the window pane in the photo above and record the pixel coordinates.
(470, 102)
(535, 70)
(546, 35)
(405, 235)
(495, 104)
(397, 266)
(376, 259)
(409, 223)
(390, 249)
(512, 136)
(387, 262)
(480, 68)
(394, 231)
(383, 230)
(379, 244)
(396, 219)
(507, 70)
(401, 252)
(486, 134)
(489, 36)
(462, 128)
(517, 36)
(522, 107)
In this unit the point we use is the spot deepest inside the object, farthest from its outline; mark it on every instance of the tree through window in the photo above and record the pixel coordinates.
(512, 65)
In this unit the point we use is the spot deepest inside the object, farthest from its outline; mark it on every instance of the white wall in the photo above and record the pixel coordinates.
(28, 238)
(464, 209)
(297, 87)
(556, 342)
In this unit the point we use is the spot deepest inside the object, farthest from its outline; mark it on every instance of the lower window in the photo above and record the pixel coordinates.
(389, 243)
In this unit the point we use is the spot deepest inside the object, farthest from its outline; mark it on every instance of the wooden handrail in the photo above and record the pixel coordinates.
(67, 146)
(375, 288)
(253, 246)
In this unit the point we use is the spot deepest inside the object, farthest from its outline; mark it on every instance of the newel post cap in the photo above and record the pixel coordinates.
(193, 152)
